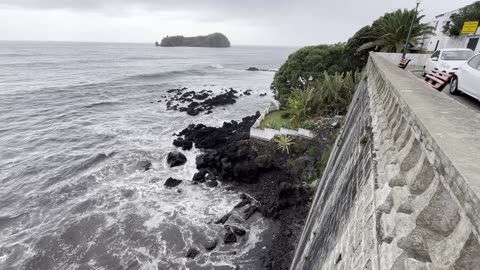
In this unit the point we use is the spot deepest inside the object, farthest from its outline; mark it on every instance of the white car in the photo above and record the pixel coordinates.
(467, 78)
(448, 60)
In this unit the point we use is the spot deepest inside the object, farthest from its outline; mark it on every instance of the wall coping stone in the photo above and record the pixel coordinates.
(454, 127)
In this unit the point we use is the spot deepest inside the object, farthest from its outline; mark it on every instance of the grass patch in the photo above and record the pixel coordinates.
(274, 120)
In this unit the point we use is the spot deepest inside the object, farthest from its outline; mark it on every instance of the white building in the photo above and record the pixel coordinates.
(443, 41)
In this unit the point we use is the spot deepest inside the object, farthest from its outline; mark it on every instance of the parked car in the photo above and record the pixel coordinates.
(448, 60)
(467, 78)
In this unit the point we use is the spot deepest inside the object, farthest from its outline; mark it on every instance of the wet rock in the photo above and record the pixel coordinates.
(204, 102)
(199, 176)
(210, 245)
(262, 95)
(144, 165)
(239, 231)
(210, 176)
(252, 69)
(247, 92)
(250, 211)
(241, 204)
(223, 219)
(175, 159)
(229, 236)
(184, 144)
(172, 182)
(211, 183)
(192, 253)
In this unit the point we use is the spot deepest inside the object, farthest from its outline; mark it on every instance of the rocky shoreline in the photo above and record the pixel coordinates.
(193, 103)
(272, 183)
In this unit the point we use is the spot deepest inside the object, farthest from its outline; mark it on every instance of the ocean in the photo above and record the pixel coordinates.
(78, 120)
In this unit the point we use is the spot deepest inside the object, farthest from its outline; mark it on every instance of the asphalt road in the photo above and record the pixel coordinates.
(463, 99)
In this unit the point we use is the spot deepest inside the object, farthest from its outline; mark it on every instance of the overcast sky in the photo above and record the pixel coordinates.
(245, 22)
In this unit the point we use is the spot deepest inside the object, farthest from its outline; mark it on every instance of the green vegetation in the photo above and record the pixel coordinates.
(389, 32)
(284, 143)
(276, 121)
(327, 97)
(468, 13)
(320, 80)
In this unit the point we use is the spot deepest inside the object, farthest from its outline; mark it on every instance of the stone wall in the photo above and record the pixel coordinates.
(401, 188)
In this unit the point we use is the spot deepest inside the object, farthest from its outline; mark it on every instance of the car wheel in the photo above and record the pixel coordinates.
(454, 86)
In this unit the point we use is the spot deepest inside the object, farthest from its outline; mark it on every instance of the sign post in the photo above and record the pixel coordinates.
(470, 27)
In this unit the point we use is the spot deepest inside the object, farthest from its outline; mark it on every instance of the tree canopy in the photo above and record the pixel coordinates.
(468, 13)
(389, 32)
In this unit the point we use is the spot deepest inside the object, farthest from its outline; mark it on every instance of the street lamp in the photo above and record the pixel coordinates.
(410, 31)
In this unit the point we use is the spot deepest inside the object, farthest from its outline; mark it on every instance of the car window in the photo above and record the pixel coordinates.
(475, 62)
(457, 55)
(435, 54)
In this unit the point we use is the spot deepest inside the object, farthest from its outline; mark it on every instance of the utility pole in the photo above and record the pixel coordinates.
(410, 31)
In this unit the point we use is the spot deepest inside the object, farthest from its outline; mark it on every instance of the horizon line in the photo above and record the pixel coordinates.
(131, 42)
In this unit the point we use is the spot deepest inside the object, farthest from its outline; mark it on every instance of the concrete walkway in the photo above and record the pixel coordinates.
(463, 99)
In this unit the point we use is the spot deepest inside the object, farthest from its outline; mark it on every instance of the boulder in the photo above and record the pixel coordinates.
(250, 211)
(238, 231)
(184, 144)
(229, 236)
(223, 219)
(211, 183)
(199, 176)
(192, 253)
(176, 158)
(253, 69)
(171, 182)
(210, 245)
(241, 204)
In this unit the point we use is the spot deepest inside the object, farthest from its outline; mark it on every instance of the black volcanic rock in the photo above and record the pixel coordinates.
(175, 159)
(198, 102)
(172, 182)
(192, 253)
(210, 245)
(229, 236)
(215, 40)
(226, 150)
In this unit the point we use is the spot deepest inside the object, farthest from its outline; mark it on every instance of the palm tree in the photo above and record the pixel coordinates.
(389, 33)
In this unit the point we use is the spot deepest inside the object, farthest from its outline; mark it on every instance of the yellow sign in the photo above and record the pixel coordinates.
(470, 27)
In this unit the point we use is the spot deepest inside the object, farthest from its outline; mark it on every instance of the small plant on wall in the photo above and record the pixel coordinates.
(284, 143)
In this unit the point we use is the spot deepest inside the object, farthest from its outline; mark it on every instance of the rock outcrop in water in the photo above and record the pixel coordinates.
(198, 102)
(215, 40)
(274, 182)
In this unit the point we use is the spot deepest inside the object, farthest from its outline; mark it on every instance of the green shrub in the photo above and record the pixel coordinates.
(468, 13)
(308, 63)
(335, 92)
(300, 103)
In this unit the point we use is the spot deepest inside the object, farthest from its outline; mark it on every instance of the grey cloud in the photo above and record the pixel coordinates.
(305, 21)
